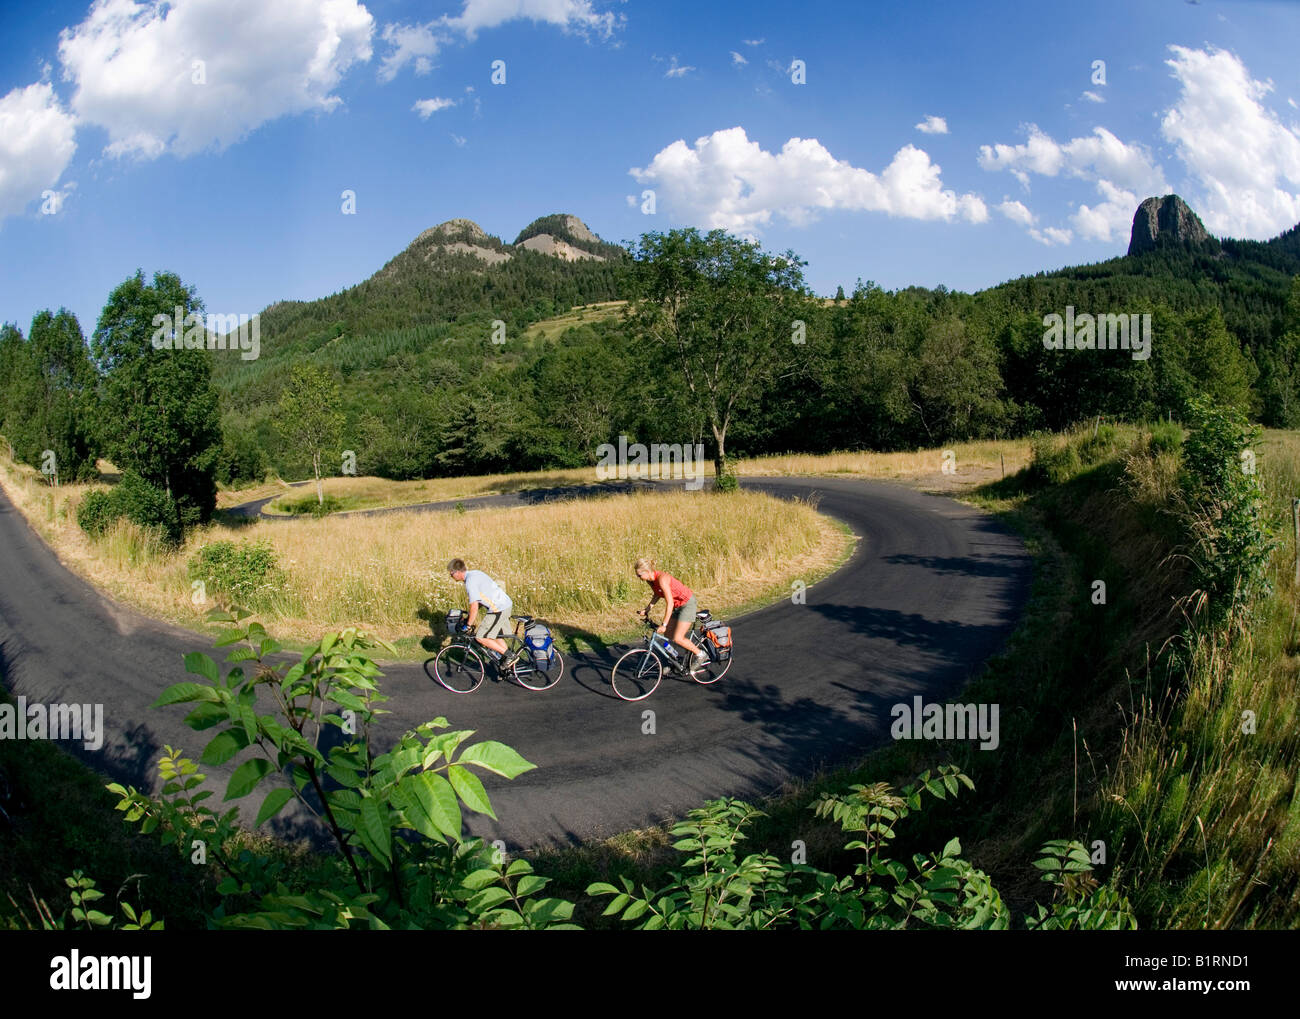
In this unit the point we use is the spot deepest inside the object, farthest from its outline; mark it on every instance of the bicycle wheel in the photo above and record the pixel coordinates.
(637, 674)
(458, 668)
(712, 670)
(531, 674)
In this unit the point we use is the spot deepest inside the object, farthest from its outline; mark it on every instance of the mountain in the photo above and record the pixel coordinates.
(454, 274)
(1160, 222)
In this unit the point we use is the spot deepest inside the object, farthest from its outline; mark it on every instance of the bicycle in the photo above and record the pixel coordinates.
(638, 673)
(460, 667)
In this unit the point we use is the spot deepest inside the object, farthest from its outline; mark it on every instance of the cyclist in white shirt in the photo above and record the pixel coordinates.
(483, 590)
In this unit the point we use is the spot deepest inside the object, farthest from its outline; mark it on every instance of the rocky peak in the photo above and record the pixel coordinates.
(1165, 221)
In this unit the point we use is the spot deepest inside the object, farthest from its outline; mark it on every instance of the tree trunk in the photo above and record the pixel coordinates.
(720, 461)
(320, 489)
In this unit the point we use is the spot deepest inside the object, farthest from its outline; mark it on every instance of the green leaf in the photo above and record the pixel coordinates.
(224, 746)
(479, 879)
(273, 804)
(246, 777)
(199, 664)
(495, 757)
(178, 693)
(434, 799)
(374, 830)
(488, 898)
(470, 790)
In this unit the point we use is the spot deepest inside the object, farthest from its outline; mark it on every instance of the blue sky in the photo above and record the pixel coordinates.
(937, 143)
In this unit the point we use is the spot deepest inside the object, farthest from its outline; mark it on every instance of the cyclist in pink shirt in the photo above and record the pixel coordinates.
(680, 608)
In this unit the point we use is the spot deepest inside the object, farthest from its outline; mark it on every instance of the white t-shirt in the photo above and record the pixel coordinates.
(481, 588)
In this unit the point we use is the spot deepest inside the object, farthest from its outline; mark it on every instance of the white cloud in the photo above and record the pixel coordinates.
(1113, 218)
(459, 140)
(754, 42)
(1051, 235)
(676, 70)
(416, 43)
(36, 144)
(737, 59)
(1244, 157)
(1100, 155)
(1093, 97)
(1016, 212)
(727, 181)
(427, 107)
(1122, 173)
(570, 15)
(133, 68)
(933, 125)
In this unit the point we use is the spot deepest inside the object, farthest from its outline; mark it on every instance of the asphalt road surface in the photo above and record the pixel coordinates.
(933, 589)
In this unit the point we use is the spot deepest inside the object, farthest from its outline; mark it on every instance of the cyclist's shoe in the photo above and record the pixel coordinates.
(511, 661)
(700, 661)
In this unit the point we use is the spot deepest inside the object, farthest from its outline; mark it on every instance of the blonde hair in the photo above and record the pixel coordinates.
(644, 564)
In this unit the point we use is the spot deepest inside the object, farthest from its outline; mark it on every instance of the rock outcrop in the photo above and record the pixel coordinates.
(1165, 221)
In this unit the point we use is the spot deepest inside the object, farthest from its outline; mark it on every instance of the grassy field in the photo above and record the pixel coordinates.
(584, 314)
(567, 562)
(971, 463)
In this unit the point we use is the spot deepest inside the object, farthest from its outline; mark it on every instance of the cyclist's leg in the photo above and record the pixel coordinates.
(490, 630)
(679, 623)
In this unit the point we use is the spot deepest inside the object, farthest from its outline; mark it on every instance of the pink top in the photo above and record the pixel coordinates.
(680, 592)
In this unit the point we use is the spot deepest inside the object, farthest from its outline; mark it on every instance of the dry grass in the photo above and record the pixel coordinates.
(567, 562)
(583, 314)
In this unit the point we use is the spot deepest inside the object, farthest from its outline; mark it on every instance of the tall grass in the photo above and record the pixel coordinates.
(1203, 806)
(568, 562)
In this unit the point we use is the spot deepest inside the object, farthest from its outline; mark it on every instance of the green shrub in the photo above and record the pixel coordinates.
(97, 512)
(1101, 446)
(148, 506)
(1166, 436)
(313, 506)
(1052, 465)
(246, 573)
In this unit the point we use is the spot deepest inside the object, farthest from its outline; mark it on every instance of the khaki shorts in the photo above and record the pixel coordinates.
(493, 625)
(686, 613)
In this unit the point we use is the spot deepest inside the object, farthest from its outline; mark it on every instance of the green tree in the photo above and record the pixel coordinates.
(724, 312)
(310, 420)
(159, 407)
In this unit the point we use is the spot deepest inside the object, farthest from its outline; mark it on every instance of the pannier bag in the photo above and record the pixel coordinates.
(718, 634)
(454, 618)
(540, 644)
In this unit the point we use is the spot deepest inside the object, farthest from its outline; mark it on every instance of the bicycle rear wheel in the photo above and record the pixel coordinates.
(636, 675)
(712, 670)
(532, 674)
(458, 668)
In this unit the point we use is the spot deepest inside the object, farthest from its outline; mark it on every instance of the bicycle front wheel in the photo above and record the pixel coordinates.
(458, 668)
(636, 675)
(532, 674)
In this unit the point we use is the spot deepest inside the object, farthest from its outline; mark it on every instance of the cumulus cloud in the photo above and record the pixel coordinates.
(1244, 157)
(727, 181)
(410, 43)
(427, 107)
(36, 144)
(136, 72)
(737, 59)
(1093, 97)
(1016, 212)
(570, 15)
(1119, 171)
(753, 42)
(933, 125)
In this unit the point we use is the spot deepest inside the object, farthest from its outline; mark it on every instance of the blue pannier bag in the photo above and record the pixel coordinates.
(540, 644)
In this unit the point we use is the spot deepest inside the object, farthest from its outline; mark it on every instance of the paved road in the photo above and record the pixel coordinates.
(933, 589)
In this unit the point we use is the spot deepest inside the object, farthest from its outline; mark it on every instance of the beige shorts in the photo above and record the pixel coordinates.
(492, 625)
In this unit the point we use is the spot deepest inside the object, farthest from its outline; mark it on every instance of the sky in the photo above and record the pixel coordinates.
(286, 149)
